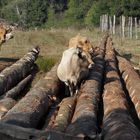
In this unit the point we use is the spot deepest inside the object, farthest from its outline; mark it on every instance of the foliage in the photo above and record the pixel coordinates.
(54, 13)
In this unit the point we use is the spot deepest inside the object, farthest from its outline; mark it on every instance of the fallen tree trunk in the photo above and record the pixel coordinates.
(49, 122)
(15, 92)
(132, 81)
(10, 76)
(117, 122)
(5, 105)
(30, 109)
(64, 115)
(13, 132)
(84, 121)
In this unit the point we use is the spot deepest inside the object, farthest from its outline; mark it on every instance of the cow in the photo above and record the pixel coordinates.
(73, 68)
(84, 43)
(5, 34)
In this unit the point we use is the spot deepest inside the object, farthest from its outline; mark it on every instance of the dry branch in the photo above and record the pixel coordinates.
(10, 76)
(30, 109)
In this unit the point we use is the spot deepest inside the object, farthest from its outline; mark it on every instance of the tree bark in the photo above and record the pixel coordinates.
(16, 91)
(29, 110)
(12, 75)
(5, 105)
(132, 81)
(65, 114)
(117, 122)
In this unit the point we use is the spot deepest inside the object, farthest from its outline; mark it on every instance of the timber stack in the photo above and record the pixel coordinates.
(101, 110)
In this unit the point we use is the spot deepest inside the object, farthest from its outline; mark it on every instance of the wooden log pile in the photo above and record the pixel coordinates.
(12, 75)
(15, 92)
(5, 105)
(64, 114)
(132, 81)
(77, 117)
(30, 109)
(117, 122)
(84, 121)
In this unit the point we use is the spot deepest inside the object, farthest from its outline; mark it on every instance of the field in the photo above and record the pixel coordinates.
(53, 42)
(109, 95)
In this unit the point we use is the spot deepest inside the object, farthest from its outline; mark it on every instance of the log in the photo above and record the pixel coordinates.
(16, 91)
(84, 121)
(10, 76)
(117, 122)
(29, 111)
(132, 81)
(12, 132)
(49, 122)
(5, 105)
(64, 115)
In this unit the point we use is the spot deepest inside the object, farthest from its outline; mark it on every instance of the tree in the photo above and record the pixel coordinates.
(77, 9)
(36, 12)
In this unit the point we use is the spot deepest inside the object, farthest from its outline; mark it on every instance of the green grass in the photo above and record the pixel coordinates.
(45, 64)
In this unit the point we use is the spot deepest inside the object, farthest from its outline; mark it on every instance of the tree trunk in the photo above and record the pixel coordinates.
(5, 105)
(65, 114)
(132, 82)
(16, 91)
(117, 122)
(12, 75)
(29, 110)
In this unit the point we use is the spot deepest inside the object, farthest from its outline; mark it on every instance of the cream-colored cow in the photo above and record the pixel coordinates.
(5, 34)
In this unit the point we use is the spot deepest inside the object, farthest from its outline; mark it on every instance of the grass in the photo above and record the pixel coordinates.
(54, 41)
(45, 64)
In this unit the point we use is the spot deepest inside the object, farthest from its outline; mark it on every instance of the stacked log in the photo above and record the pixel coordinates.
(10, 98)
(117, 122)
(15, 92)
(132, 81)
(84, 121)
(31, 108)
(64, 114)
(5, 105)
(12, 75)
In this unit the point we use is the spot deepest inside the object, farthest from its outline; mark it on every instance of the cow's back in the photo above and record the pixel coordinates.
(67, 64)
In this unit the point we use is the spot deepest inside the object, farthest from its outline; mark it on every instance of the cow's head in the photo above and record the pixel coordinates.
(85, 56)
(5, 33)
(82, 42)
(85, 44)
